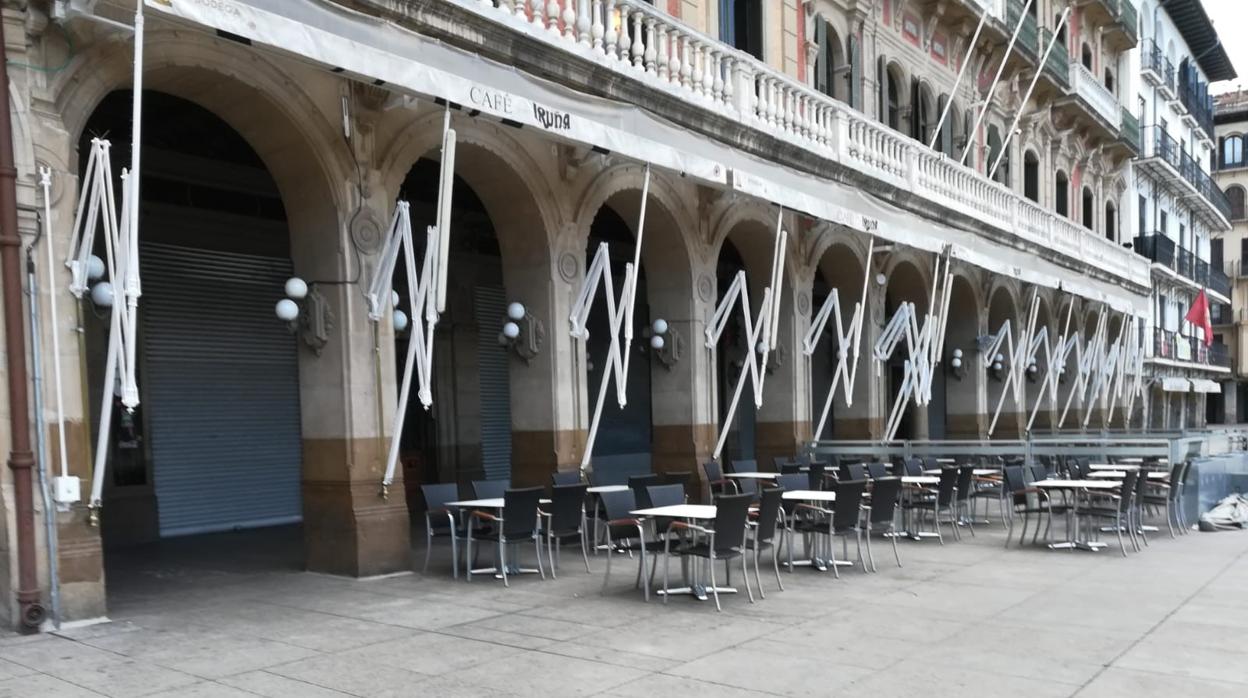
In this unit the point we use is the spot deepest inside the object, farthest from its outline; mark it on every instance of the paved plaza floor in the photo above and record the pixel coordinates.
(232, 616)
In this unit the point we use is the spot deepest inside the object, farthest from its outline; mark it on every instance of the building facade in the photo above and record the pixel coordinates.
(1230, 320)
(277, 138)
(1181, 211)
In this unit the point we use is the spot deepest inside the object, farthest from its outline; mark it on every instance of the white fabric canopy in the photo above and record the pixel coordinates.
(1175, 385)
(1204, 385)
(414, 64)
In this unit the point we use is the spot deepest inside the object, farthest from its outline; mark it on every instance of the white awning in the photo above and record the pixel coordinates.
(1204, 385)
(417, 65)
(1175, 385)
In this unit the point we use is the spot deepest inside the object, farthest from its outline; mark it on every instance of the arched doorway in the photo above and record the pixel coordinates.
(466, 435)
(1031, 176)
(1061, 193)
(960, 362)
(1111, 222)
(832, 71)
(215, 444)
(840, 268)
(1002, 307)
(731, 353)
(906, 284)
(1088, 204)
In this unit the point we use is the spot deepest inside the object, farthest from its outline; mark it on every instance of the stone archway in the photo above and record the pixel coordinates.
(906, 282)
(1003, 307)
(965, 406)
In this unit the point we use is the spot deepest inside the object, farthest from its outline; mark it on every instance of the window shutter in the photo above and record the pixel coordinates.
(822, 64)
(854, 54)
(881, 83)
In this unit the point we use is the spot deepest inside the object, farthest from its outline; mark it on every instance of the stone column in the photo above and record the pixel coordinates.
(783, 426)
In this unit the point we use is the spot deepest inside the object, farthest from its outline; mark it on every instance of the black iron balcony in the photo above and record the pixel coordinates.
(1154, 61)
(1220, 314)
(1057, 66)
(1164, 345)
(1130, 131)
(1219, 282)
(1184, 263)
(1028, 36)
(1156, 247)
(1195, 98)
(1219, 355)
(1160, 144)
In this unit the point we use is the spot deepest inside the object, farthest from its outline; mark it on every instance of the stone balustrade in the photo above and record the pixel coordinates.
(651, 46)
(1095, 95)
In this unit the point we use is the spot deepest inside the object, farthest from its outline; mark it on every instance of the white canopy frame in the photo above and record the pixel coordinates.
(848, 343)
(97, 211)
(924, 344)
(621, 313)
(426, 291)
(760, 332)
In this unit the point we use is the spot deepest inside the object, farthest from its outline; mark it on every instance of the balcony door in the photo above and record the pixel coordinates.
(741, 25)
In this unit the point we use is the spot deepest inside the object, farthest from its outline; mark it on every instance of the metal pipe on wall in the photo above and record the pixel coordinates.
(21, 460)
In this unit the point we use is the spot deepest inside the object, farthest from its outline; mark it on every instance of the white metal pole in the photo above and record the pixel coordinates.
(966, 61)
(979, 120)
(1009, 135)
(45, 181)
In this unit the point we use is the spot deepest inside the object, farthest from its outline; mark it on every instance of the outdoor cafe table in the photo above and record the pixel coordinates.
(1073, 540)
(1112, 466)
(824, 496)
(752, 476)
(601, 489)
(495, 503)
(688, 512)
(978, 472)
(1120, 474)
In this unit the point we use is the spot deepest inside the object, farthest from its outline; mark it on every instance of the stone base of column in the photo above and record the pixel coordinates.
(779, 439)
(80, 561)
(856, 428)
(965, 426)
(681, 448)
(537, 454)
(348, 528)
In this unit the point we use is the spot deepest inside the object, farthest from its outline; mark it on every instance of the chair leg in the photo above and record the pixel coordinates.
(584, 551)
(550, 555)
(757, 578)
(502, 558)
(836, 570)
(870, 554)
(610, 554)
(970, 519)
(1118, 529)
(645, 583)
(454, 555)
(896, 554)
(936, 523)
(775, 565)
(1169, 514)
(428, 548)
(745, 577)
(714, 586)
(537, 546)
(666, 559)
(858, 542)
(468, 555)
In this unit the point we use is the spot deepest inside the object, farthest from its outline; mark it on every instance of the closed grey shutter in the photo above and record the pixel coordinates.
(823, 65)
(855, 73)
(222, 390)
(490, 305)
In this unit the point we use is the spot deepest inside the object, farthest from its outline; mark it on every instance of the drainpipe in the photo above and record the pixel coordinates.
(21, 460)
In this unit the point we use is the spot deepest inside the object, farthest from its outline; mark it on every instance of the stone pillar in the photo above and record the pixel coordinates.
(783, 426)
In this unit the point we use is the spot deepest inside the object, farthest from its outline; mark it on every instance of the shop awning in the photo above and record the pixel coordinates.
(1204, 385)
(1175, 385)
(409, 63)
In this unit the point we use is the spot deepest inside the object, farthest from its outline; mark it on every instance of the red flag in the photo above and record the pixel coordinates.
(1198, 315)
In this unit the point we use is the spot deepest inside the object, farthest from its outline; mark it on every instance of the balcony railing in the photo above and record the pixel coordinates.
(1219, 282)
(1096, 95)
(1157, 248)
(1220, 314)
(1028, 36)
(1195, 98)
(633, 39)
(1178, 347)
(1160, 249)
(1160, 144)
(1130, 131)
(1154, 61)
(1057, 66)
(1128, 17)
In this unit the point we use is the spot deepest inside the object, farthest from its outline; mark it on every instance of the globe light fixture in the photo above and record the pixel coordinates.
(102, 294)
(287, 310)
(296, 288)
(399, 320)
(657, 342)
(659, 326)
(516, 312)
(394, 298)
(95, 268)
(511, 330)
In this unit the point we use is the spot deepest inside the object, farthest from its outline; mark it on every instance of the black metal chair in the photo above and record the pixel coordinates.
(489, 489)
(750, 486)
(852, 471)
(1166, 495)
(638, 484)
(882, 517)
(876, 470)
(1025, 500)
(846, 518)
(792, 481)
(778, 462)
(816, 475)
(912, 467)
(745, 465)
(563, 478)
(684, 478)
(962, 497)
(716, 483)
(764, 531)
(626, 533)
(938, 501)
(663, 496)
(1120, 513)
(725, 540)
(518, 522)
(791, 468)
(442, 521)
(564, 518)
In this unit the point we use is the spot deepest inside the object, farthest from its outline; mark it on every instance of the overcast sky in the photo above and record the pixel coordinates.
(1230, 18)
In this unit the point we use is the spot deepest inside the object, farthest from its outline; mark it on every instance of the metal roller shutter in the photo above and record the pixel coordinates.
(222, 390)
(490, 310)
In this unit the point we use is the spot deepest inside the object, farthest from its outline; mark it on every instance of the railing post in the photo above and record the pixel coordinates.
(912, 167)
